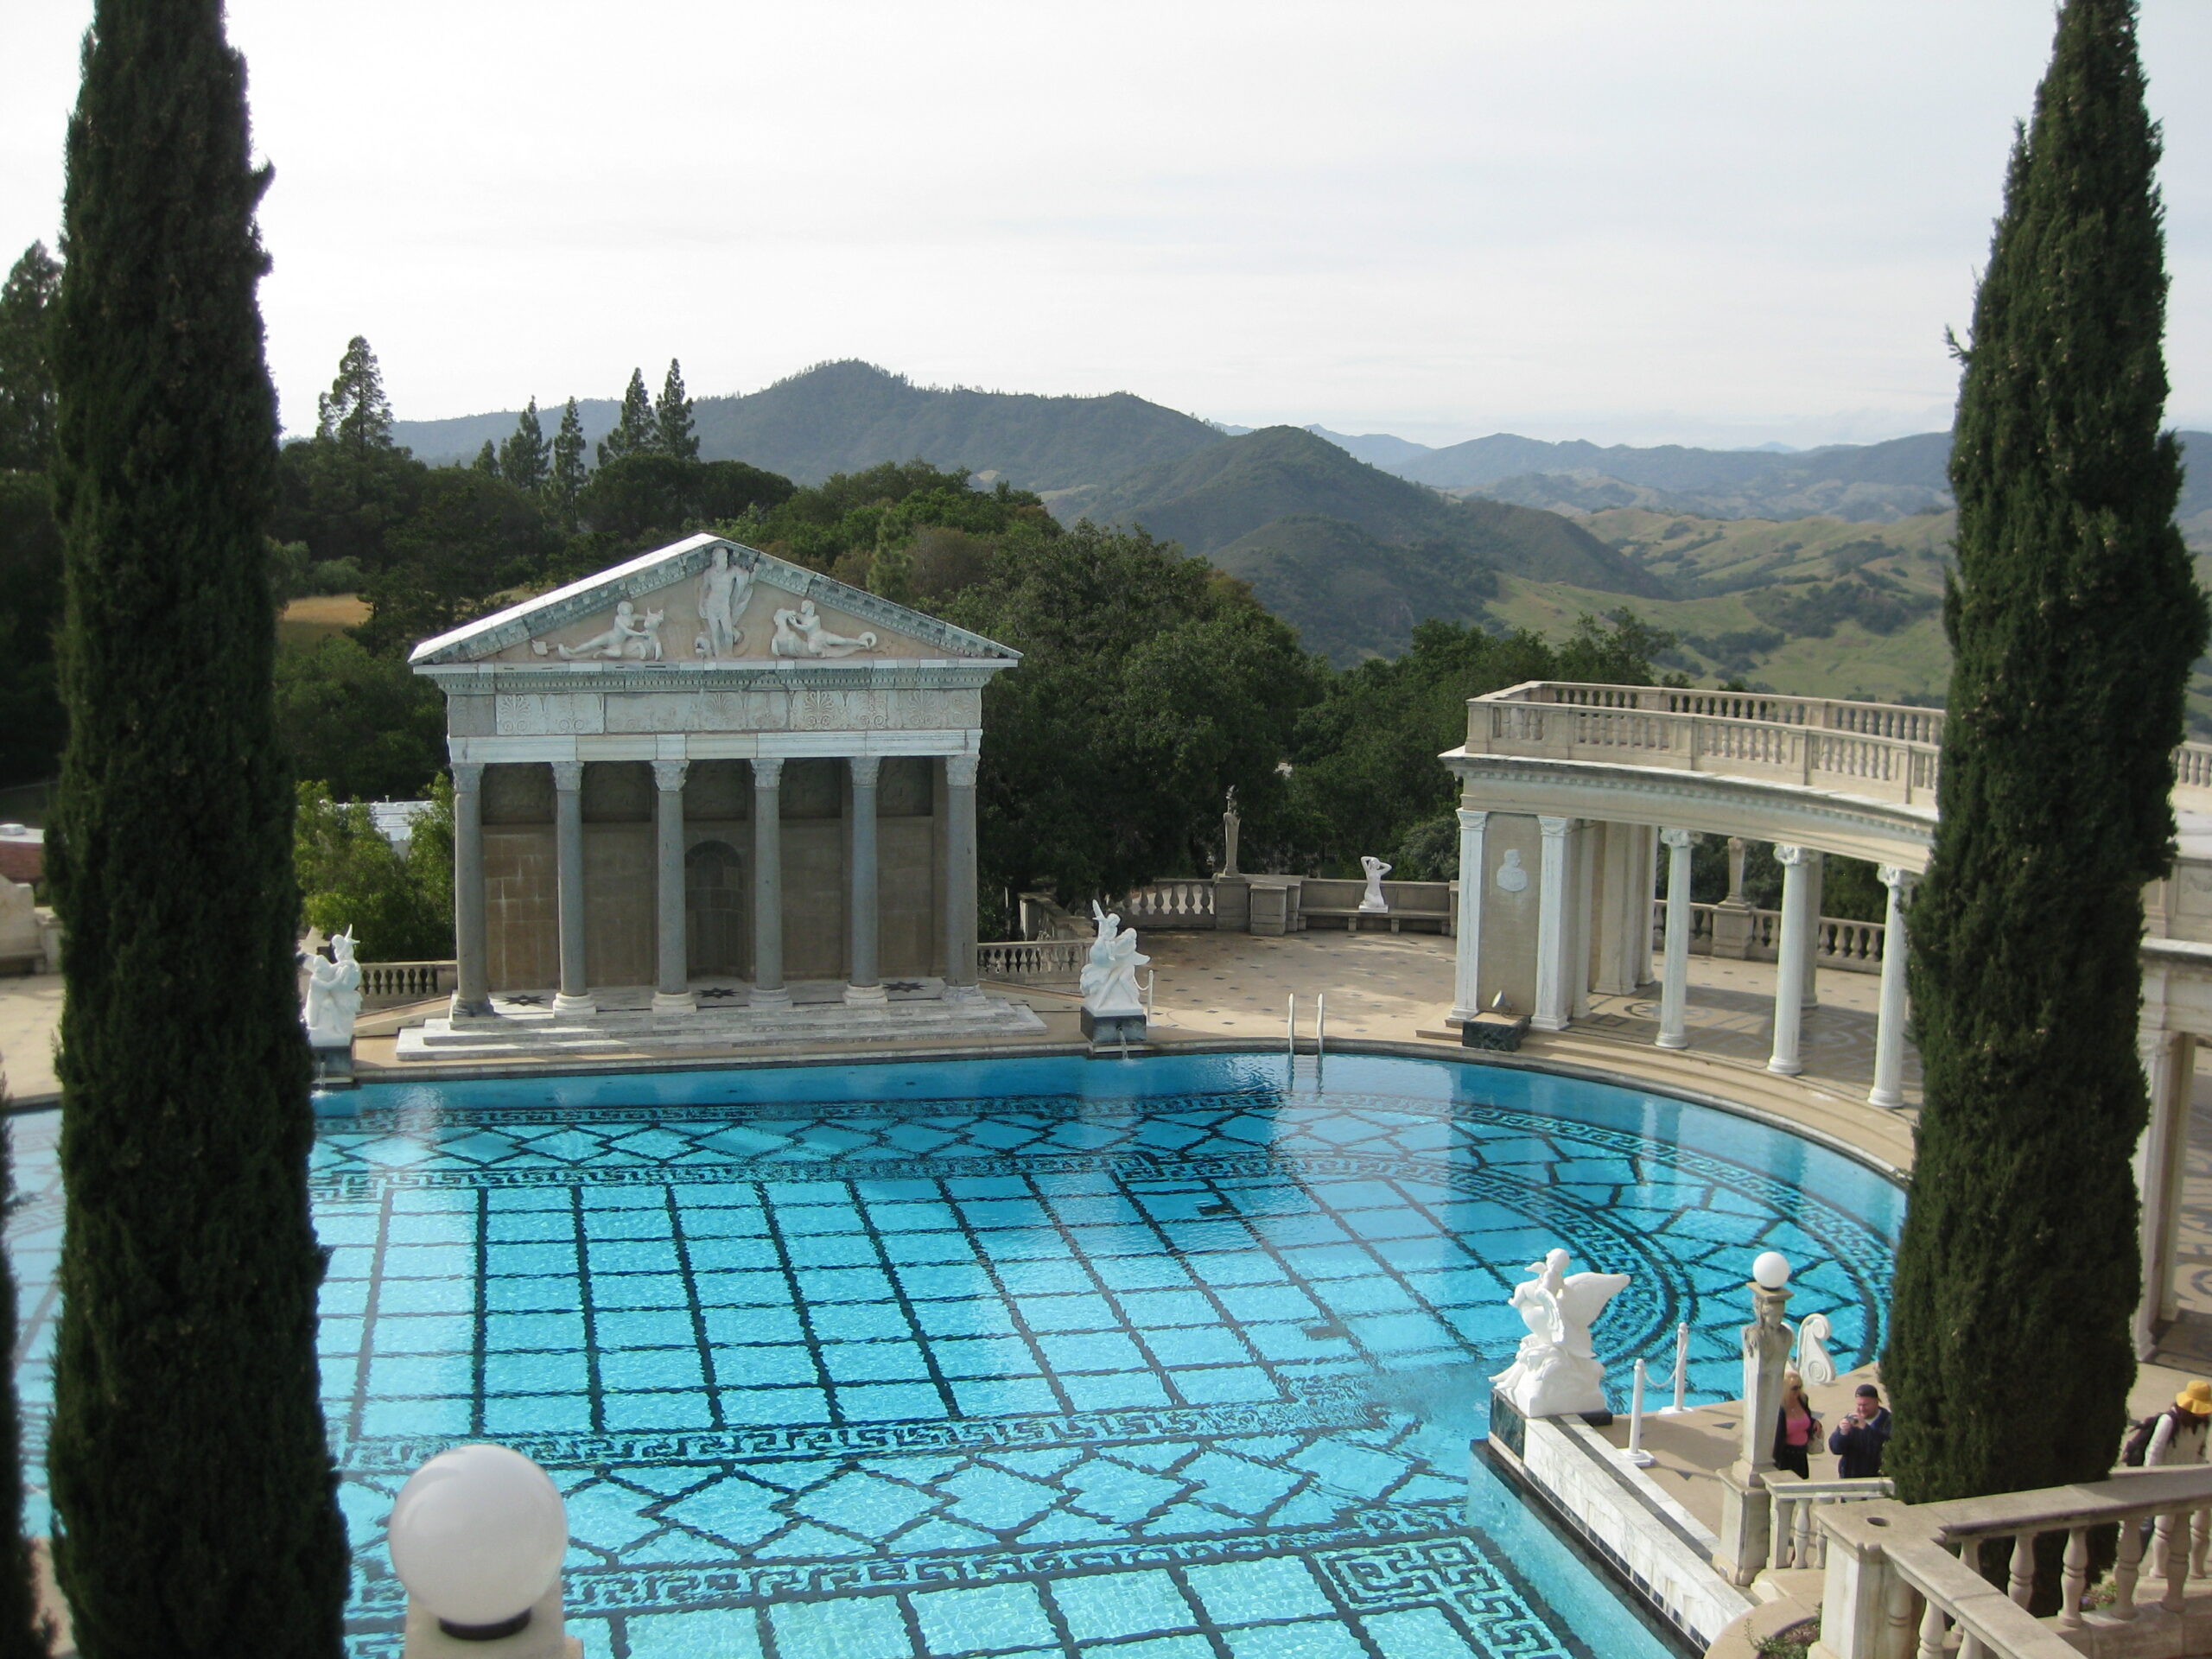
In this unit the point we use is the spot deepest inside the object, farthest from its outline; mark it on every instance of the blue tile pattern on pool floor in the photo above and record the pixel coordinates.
(1151, 1360)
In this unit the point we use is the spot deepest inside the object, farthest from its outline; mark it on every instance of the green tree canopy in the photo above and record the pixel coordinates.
(565, 481)
(487, 459)
(1149, 685)
(675, 435)
(26, 361)
(643, 500)
(2073, 619)
(351, 877)
(523, 459)
(354, 412)
(32, 724)
(368, 725)
(636, 432)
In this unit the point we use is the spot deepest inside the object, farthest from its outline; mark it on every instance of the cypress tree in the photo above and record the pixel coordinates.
(522, 457)
(636, 432)
(194, 1501)
(672, 416)
(354, 411)
(2073, 620)
(565, 482)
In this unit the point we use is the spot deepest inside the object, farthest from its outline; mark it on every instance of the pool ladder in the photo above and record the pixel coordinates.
(1321, 1026)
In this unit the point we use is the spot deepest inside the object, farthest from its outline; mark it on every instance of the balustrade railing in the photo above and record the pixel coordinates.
(1853, 947)
(1796, 1542)
(1168, 905)
(1033, 962)
(1888, 751)
(384, 983)
(1905, 1579)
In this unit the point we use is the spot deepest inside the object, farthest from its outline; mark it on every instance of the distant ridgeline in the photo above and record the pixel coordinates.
(1353, 540)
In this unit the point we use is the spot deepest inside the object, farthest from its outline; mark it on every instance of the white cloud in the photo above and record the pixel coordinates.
(1724, 222)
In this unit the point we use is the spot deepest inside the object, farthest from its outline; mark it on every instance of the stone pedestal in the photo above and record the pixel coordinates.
(544, 1638)
(1499, 1033)
(1232, 904)
(1734, 925)
(1271, 912)
(334, 1066)
(1111, 1029)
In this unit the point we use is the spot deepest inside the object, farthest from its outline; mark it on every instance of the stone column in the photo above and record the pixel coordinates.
(1746, 1506)
(1582, 914)
(865, 986)
(1733, 922)
(1789, 962)
(1553, 932)
(1674, 977)
(471, 955)
(1467, 959)
(1809, 988)
(768, 990)
(569, 881)
(1889, 1019)
(960, 878)
(2169, 1061)
(672, 987)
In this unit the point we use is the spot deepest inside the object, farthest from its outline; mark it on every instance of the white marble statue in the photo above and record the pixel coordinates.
(333, 1001)
(1231, 823)
(1811, 1359)
(1512, 874)
(1556, 1371)
(1376, 869)
(1110, 978)
(723, 591)
(801, 634)
(626, 638)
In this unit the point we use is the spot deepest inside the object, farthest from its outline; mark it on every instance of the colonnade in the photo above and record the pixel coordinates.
(671, 989)
(1562, 931)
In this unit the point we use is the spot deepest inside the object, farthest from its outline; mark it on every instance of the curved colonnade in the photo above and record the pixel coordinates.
(1569, 791)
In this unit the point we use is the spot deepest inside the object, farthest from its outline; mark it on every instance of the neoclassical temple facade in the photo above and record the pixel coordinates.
(708, 771)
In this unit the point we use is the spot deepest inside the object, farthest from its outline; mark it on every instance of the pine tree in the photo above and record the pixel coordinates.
(672, 416)
(2073, 620)
(487, 459)
(565, 482)
(26, 365)
(635, 432)
(522, 457)
(353, 412)
(195, 1510)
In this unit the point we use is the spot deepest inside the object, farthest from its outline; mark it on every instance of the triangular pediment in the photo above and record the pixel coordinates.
(707, 601)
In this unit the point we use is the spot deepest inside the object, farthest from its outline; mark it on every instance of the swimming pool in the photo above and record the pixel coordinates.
(1172, 1358)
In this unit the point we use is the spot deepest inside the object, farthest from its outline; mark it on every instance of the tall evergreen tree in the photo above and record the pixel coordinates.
(354, 411)
(565, 481)
(26, 361)
(523, 457)
(672, 416)
(194, 1501)
(487, 459)
(2073, 619)
(636, 432)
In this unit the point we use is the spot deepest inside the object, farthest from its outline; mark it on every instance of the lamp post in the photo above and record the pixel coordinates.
(477, 1536)
(1746, 1506)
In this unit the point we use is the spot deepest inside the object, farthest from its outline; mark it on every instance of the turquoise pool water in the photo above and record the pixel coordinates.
(1175, 1358)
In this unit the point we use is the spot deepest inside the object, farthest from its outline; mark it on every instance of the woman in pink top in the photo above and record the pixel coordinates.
(1796, 1428)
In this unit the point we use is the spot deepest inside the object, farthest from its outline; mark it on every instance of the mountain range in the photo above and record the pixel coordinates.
(1353, 537)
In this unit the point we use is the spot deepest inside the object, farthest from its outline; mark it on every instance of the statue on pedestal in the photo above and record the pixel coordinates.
(1230, 826)
(1110, 978)
(1556, 1371)
(333, 1001)
(1376, 869)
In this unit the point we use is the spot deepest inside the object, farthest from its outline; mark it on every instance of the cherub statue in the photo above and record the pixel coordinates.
(801, 634)
(616, 644)
(333, 1001)
(1556, 1371)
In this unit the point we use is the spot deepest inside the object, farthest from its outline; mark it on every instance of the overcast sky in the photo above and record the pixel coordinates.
(1713, 222)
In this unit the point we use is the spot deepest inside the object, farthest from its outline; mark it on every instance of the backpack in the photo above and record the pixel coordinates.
(2139, 1441)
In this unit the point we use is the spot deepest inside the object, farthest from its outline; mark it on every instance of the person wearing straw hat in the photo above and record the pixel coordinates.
(2180, 1437)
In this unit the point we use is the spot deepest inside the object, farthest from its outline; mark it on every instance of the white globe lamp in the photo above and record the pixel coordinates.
(477, 1536)
(1770, 1270)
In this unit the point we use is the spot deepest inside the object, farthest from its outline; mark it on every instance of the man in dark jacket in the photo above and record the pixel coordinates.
(1859, 1438)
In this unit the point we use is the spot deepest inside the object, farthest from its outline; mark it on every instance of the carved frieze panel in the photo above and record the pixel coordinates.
(551, 714)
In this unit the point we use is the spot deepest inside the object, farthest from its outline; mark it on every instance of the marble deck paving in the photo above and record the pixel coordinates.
(1045, 1376)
